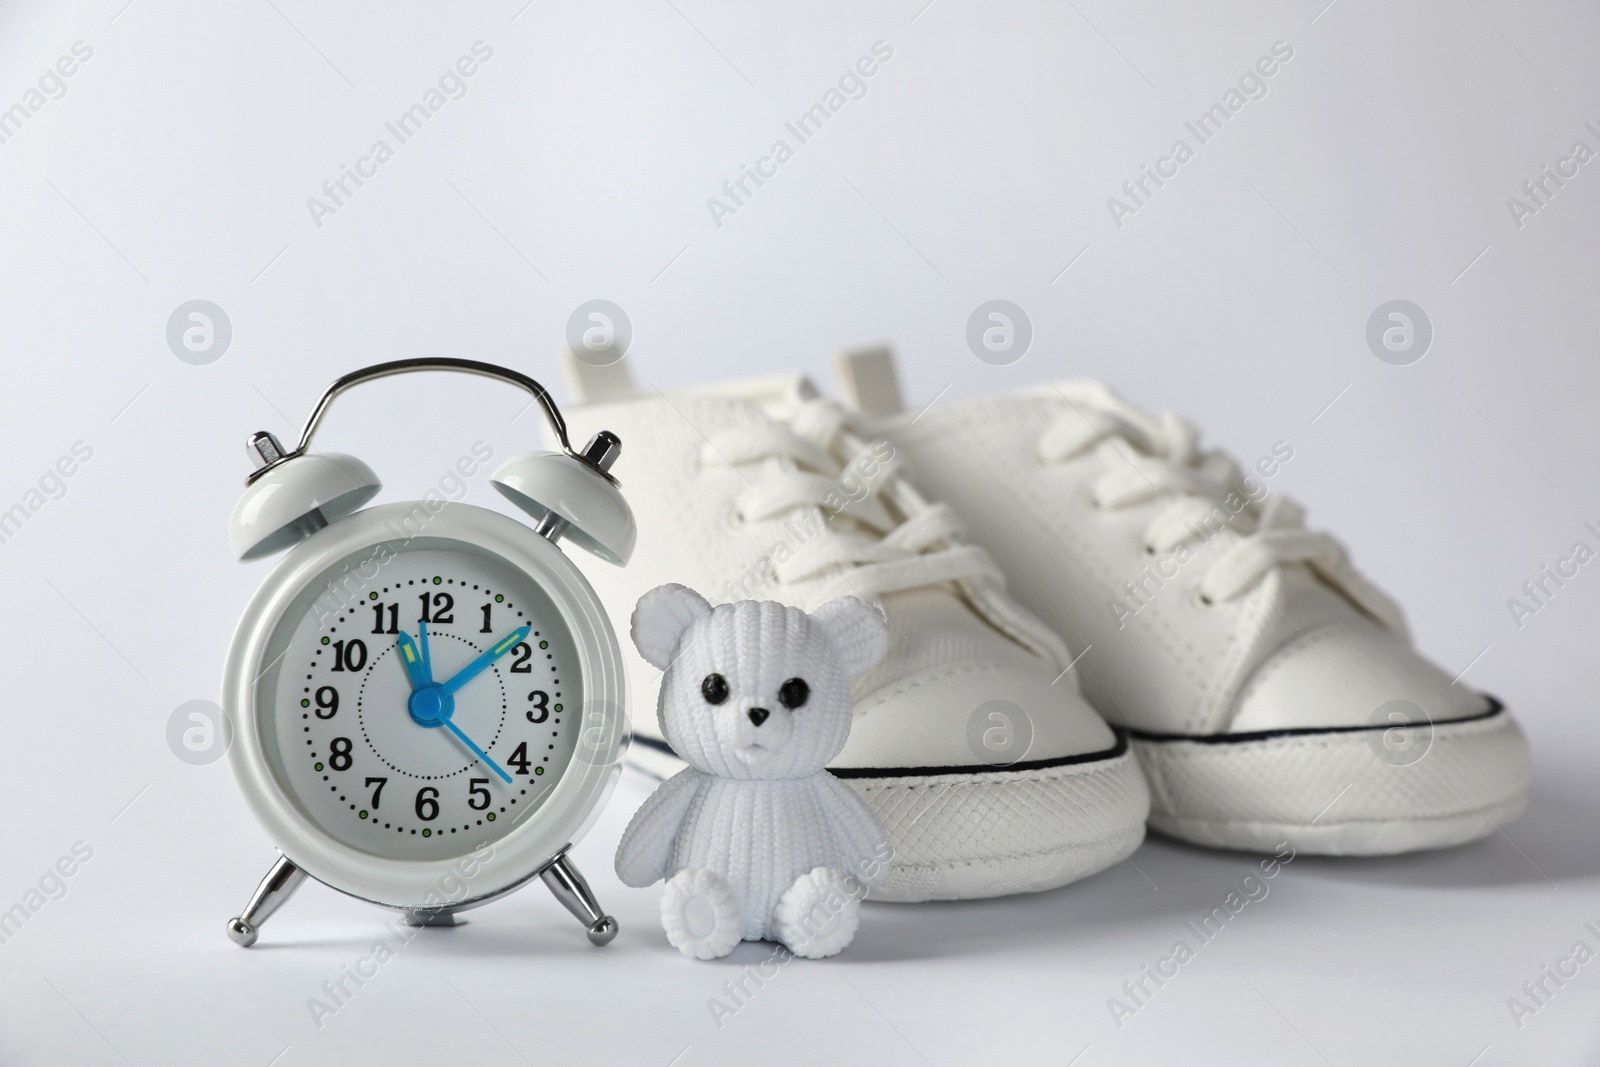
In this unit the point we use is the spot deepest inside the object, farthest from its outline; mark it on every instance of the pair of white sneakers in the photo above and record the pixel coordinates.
(1245, 686)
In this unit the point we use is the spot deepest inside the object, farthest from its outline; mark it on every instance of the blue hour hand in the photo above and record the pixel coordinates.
(414, 661)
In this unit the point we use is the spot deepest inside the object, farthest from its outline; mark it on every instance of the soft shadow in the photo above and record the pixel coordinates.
(1553, 843)
(1160, 880)
(489, 940)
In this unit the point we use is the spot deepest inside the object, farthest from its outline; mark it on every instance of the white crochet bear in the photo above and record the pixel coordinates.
(756, 839)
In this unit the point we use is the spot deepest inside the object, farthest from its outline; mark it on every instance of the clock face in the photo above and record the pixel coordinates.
(404, 702)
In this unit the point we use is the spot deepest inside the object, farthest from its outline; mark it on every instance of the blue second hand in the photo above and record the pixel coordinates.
(480, 753)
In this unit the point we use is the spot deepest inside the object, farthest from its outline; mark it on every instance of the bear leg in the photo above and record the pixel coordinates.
(700, 915)
(817, 916)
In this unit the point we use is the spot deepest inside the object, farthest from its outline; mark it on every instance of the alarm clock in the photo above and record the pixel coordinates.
(427, 698)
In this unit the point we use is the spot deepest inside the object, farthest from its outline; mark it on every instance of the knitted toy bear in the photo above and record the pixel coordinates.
(756, 839)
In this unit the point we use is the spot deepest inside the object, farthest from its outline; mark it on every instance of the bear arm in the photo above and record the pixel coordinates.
(646, 845)
(863, 843)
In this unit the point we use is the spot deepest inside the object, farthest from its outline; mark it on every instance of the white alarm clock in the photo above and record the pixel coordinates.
(427, 698)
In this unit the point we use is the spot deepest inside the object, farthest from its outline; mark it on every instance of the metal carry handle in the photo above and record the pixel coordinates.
(440, 363)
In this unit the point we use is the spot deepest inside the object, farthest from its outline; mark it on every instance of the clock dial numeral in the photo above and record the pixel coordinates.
(377, 618)
(348, 718)
(427, 806)
(350, 655)
(443, 608)
(327, 702)
(518, 760)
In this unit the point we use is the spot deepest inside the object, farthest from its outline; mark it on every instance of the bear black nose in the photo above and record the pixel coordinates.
(758, 715)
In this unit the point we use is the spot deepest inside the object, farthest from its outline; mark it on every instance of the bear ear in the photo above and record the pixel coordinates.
(660, 619)
(858, 631)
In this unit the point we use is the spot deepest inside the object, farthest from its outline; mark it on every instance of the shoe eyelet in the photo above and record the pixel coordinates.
(1148, 548)
(1199, 600)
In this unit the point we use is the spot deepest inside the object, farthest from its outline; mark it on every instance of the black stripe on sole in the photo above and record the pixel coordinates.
(1118, 748)
(1495, 708)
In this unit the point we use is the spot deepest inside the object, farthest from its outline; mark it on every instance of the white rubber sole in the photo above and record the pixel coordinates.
(1340, 792)
(962, 835)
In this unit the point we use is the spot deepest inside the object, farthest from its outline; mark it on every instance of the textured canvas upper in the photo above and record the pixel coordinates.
(763, 491)
(1197, 599)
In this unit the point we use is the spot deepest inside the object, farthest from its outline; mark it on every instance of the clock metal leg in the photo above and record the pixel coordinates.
(575, 895)
(278, 886)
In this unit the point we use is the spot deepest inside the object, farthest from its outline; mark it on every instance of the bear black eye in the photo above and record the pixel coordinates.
(793, 693)
(715, 688)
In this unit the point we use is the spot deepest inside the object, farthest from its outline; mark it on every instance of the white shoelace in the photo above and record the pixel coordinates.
(873, 551)
(1164, 461)
(871, 537)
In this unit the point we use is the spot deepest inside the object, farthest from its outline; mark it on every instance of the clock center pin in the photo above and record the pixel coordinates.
(431, 705)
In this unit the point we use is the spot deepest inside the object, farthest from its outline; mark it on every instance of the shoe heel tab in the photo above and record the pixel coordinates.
(594, 384)
(867, 380)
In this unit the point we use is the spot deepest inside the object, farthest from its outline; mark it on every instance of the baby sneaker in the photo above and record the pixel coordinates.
(1271, 692)
(970, 743)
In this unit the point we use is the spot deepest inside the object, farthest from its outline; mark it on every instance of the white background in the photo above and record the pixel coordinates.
(178, 164)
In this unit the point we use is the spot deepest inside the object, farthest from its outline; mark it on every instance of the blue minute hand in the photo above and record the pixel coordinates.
(479, 665)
